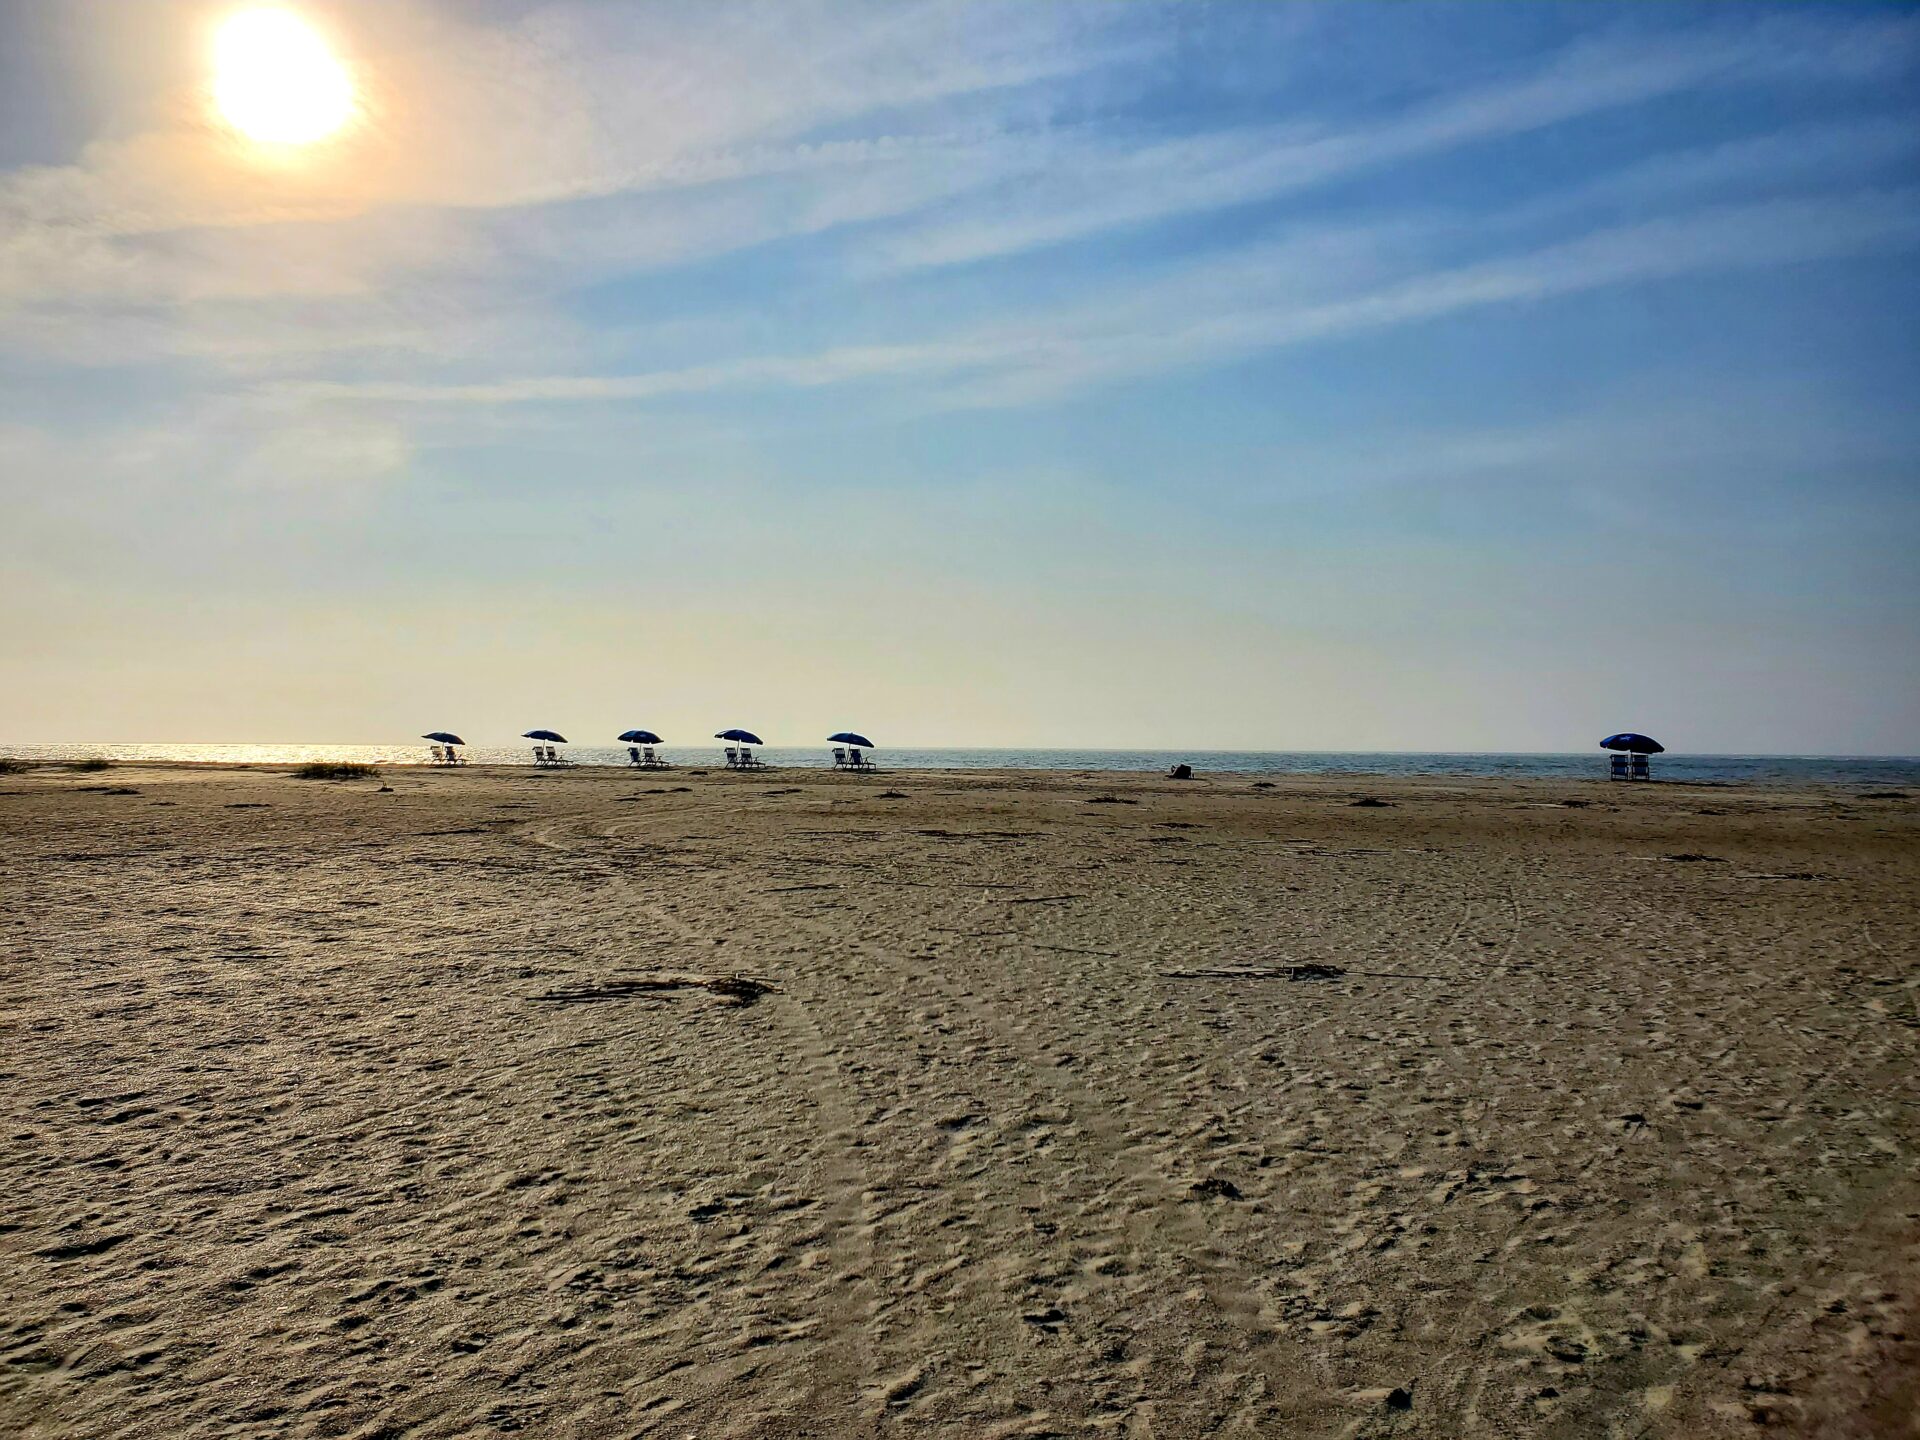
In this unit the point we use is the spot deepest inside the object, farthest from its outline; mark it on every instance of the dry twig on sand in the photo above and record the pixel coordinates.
(735, 990)
(1309, 971)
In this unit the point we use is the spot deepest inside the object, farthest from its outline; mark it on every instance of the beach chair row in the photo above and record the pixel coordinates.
(645, 757)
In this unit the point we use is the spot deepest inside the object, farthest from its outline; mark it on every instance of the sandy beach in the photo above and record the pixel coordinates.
(1012, 1104)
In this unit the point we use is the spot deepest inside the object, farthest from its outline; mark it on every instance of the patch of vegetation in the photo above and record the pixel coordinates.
(91, 764)
(337, 770)
(10, 766)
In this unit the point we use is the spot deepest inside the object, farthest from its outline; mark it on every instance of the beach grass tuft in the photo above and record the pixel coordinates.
(11, 766)
(90, 764)
(337, 770)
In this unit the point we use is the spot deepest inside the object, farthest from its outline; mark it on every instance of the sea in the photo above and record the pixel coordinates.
(1864, 771)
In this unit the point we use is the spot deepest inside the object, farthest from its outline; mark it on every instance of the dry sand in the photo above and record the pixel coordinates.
(334, 1111)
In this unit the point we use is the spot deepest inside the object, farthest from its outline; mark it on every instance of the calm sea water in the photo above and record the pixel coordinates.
(1866, 771)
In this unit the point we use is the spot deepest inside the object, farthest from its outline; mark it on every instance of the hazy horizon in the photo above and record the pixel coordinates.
(594, 741)
(1408, 378)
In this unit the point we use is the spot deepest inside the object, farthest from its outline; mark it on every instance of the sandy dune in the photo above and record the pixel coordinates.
(335, 1111)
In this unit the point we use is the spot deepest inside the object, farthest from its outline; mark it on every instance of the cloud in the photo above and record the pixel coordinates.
(1212, 316)
(196, 450)
(572, 102)
(587, 140)
(460, 118)
(1811, 155)
(1106, 187)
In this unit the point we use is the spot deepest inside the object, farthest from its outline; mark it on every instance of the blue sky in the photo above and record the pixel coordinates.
(1329, 376)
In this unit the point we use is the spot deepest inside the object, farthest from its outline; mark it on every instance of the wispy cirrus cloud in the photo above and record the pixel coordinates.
(1225, 312)
(706, 132)
(719, 117)
(580, 146)
(1108, 187)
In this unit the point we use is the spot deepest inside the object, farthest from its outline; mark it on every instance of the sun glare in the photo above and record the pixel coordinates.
(275, 81)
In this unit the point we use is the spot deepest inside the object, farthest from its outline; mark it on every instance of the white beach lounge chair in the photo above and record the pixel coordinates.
(650, 760)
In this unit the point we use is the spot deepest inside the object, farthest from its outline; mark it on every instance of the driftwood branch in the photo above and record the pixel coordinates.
(736, 990)
(1309, 971)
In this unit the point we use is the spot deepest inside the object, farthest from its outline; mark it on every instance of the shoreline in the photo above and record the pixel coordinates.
(1007, 774)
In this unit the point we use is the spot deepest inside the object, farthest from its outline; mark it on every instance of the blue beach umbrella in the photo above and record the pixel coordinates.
(1633, 744)
(639, 737)
(552, 735)
(847, 737)
(443, 737)
(740, 737)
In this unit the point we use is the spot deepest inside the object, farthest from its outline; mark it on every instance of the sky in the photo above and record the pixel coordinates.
(1343, 376)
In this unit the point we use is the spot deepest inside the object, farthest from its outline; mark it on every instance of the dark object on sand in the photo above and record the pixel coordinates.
(1367, 802)
(1110, 800)
(1314, 971)
(1263, 784)
(10, 766)
(1213, 1187)
(1400, 1398)
(336, 770)
(1870, 795)
(736, 990)
(1692, 855)
(892, 795)
(1180, 772)
(91, 764)
(1311, 970)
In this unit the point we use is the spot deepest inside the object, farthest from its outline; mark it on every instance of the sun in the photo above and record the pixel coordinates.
(275, 81)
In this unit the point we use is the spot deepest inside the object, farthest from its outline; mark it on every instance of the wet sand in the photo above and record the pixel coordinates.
(1097, 1105)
